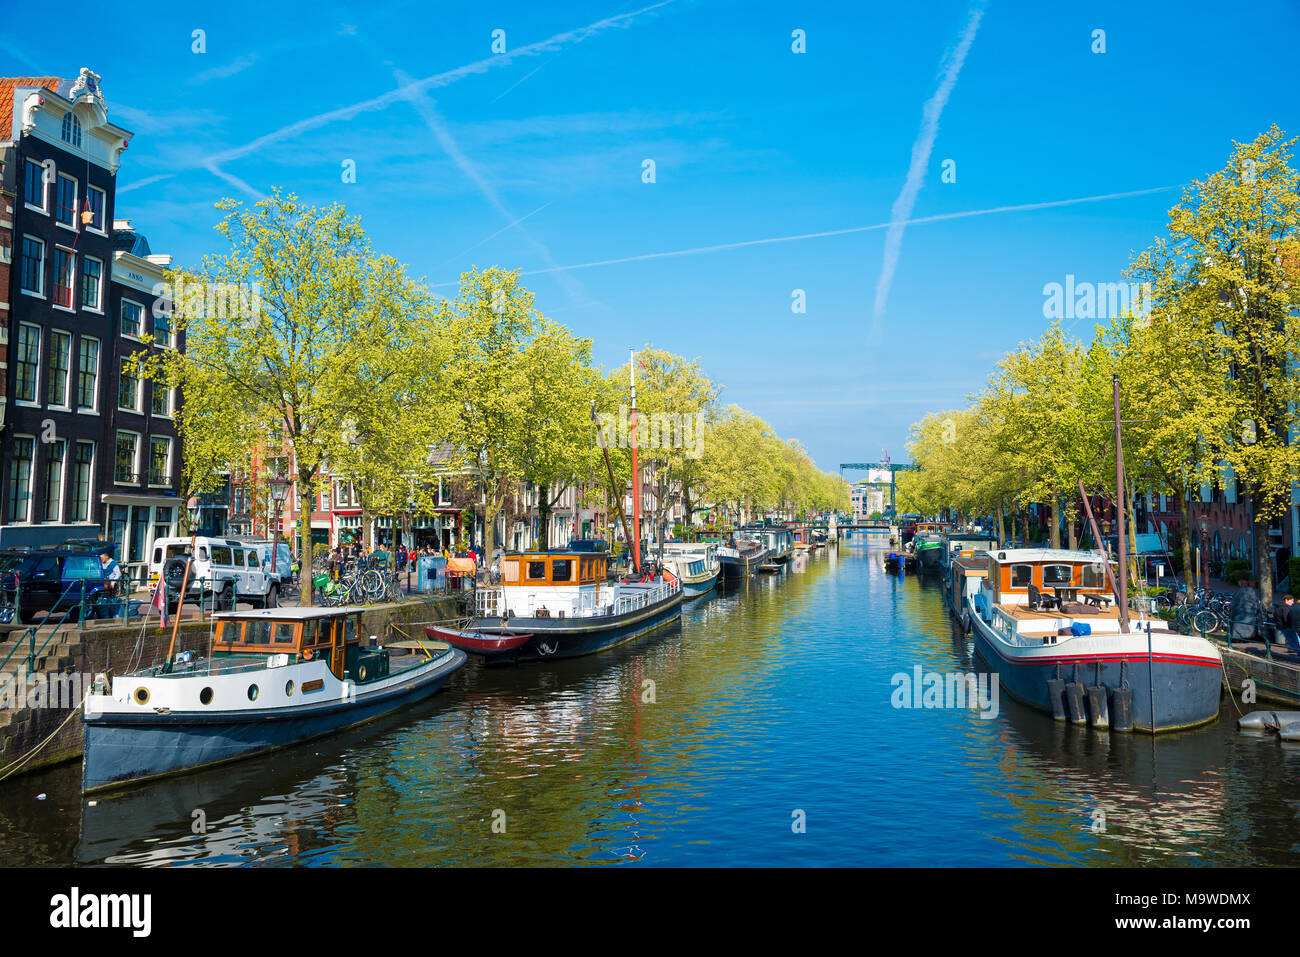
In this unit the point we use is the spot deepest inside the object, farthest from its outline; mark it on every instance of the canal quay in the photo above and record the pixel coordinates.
(762, 730)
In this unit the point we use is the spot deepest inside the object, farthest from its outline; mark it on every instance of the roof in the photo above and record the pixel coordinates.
(1007, 555)
(289, 614)
(10, 83)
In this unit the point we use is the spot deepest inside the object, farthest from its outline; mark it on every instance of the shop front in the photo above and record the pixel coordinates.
(134, 522)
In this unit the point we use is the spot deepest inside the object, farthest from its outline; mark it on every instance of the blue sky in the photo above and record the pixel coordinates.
(751, 141)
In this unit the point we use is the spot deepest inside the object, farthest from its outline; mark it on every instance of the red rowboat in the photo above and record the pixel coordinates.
(477, 641)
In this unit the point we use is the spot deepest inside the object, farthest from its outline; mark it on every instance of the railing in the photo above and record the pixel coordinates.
(126, 476)
(159, 477)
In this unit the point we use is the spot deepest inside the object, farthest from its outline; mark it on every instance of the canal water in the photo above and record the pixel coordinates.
(762, 731)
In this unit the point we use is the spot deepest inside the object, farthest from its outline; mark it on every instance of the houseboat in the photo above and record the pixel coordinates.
(695, 564)
(561, 604)
(276, 677)
(776, 539)
(740, 557)
(962, 581)
(966, 545)
(1043, 620)
(801, 536)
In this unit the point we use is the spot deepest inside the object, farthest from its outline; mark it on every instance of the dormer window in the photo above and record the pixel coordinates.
(72, 129)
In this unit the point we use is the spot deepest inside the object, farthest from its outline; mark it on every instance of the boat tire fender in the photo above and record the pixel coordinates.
(1074, 703)
(1056, 697)
(1121, 709)
(1098, 709)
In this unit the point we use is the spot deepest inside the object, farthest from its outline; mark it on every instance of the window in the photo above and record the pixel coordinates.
(34, 184)
(72, 129)
(1057, 575)
(64, 261)
(220, 554)
(65, 201)
(256, 632)
(162, 522)
(124, 464)
(29, 358)
(60, 361)
(160, 451)
(128, 387)
(130, 316)
(561, 570)
(87, 373)
(161, 399)
(162, 328)
(20, 478)
(92, 272)
(1094, 576)
(252, 560)
(1022, 576)
(537, 570)
(33, 266)
(81, 465)
(54, 453)
(284, 633)
(239, 558)
(95, 200)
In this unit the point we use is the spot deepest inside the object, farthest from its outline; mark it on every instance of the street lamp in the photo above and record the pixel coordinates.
(279, 492)
(1205, 550)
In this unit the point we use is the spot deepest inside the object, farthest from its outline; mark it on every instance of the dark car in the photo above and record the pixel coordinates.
(51, 580)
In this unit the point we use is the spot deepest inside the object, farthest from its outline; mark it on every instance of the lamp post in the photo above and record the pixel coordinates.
(1205, 550)
(279, 492)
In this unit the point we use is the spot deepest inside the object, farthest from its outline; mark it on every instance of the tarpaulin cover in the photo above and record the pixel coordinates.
(464, 566)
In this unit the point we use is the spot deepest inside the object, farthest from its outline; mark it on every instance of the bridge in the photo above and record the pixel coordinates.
(893, 469)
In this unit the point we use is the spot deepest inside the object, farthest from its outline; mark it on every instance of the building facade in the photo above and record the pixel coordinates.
(90, 450)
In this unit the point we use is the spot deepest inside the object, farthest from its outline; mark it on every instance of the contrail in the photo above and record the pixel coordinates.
(147, 181)
(235, 181)
(431, 82)
(435, 123)
(906, 200)
(917, 221)
(488, 239)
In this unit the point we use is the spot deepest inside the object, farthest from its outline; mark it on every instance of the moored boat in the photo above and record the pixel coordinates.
(740, 558)
(695, 564)
(276, 677)
(561, 604)
(1042, 620)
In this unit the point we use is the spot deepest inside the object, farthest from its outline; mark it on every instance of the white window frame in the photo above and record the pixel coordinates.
(76, 196)
(103, 209)
(54, 280)
(99, 368)
(44, 208)
(40, 354)
(135, 465)
(139, 390)
(90, 481)
(148, 471)
(157, 387)
(67, 377)
(31, 465)
(22, 255)
(140, 321)
(81, 286)
(71, 122)
(63, 476)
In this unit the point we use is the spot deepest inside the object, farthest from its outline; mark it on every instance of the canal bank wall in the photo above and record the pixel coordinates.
(40, 713)
(1272, 679)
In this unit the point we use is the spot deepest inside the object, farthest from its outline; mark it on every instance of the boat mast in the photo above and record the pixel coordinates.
(636, 478)
(1119, 510)
(613, 489)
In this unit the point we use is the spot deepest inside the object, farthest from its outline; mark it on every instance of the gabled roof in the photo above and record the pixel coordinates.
(10, 83)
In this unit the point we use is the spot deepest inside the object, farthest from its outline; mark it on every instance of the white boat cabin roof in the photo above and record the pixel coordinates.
(290, 614)
(1034, 556)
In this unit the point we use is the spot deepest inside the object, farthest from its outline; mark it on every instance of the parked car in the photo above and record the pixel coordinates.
(283, 558)
(225, 570)
(53, 579)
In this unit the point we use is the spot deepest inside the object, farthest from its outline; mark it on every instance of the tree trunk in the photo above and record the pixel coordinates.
(1002, 527)
(544, 514)
(1024, 519)
(1263, 554)
(1185, 510)
(1072, 535)
(1055, 510)
(304, 541)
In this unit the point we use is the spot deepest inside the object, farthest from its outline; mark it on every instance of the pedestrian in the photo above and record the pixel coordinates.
(334, 561)
(112, 572)
(1288, 623)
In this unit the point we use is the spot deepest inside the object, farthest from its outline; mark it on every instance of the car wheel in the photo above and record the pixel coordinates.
(226, 601)
(272, 598)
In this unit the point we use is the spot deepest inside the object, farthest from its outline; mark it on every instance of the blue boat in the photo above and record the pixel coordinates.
(277, 677)
(566, 606)
(1042, 621)
(740, 558)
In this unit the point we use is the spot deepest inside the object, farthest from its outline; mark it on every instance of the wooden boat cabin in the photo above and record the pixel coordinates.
(1029, 589)
(541, 569)
(303, 634)
(933, 528)
(555, 584)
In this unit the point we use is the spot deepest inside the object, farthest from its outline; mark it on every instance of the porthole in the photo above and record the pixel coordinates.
(361, 673)
(205, 696)
(142, 695)
(252, 692)
(288, 689)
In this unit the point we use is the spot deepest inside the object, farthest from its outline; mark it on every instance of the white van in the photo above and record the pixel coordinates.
(229, 569)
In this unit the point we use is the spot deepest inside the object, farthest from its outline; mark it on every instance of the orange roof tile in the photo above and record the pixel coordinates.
(7, 86)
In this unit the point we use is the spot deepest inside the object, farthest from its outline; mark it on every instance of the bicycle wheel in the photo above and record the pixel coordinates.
(373, 586)
(1206, 622)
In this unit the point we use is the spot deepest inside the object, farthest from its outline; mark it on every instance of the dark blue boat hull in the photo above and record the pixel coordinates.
(572, 637)
(124, 749)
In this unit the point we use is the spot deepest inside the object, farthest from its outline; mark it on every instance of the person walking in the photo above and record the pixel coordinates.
(1288, 623)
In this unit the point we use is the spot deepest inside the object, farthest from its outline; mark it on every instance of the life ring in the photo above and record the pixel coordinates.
(307, 654)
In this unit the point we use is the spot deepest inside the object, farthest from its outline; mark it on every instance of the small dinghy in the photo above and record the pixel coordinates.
(479, 642)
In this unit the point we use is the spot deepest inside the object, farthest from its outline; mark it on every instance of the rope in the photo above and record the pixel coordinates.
(11, 768)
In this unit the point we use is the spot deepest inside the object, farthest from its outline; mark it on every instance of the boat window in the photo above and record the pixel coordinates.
(284, 633)
(1057, 575)
(309, 635)
(511, 571)
(231, 632)
(350, 629)
(257, 632)
(1022, 576)
(1094, 576)
(562, 570)
(537, 570)
(220, 555)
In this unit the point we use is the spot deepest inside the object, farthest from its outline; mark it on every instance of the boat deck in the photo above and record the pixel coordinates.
(1025, 613)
